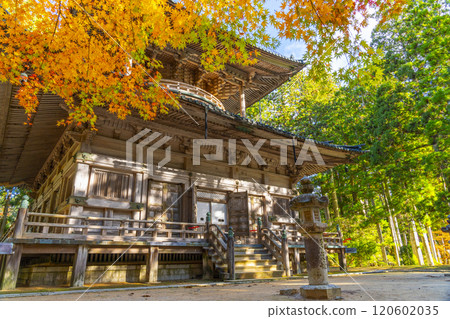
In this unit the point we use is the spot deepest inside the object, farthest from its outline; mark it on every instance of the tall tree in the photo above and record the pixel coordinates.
(396, 103)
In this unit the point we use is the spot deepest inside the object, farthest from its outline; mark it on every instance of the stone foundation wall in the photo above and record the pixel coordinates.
(40, 275)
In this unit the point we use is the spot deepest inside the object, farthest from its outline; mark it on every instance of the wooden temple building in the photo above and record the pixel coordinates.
(94, 218)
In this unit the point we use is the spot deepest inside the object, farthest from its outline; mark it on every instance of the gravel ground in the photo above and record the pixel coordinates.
(409, 286)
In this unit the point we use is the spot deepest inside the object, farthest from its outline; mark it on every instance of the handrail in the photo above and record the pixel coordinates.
(111, 219)
(219, 230)
(272, 242)
(293, 231)
(272, 233)
(278, 247)
(192, 90)
(41, 225)
(218, 240)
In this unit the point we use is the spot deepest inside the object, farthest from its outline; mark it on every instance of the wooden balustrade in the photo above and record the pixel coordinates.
(272, 242)
(191, 91)
(80, 227)
(223, 245)
(44, 225)
(218, 240)
(333, 239)
(295, 237)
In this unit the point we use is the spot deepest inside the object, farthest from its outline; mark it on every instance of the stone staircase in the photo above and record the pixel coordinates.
(252, 261)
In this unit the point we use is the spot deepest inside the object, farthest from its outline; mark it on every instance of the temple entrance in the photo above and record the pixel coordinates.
(238, 214)
(215, 203)
(162, 199)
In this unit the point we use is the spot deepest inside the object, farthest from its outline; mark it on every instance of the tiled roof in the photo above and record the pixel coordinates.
(269, 128)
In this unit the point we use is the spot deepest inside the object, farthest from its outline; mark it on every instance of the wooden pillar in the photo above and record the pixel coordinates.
(194, 202)
(230, 254)
(11, 271)
(296, 265)
(80, 188)
(207, 266)
(108, 213)
(5, 214)
(242, 100)
(81, 181)
(285, 253)
(152, 264)
(207, 225)
(79, 266)
(21, 218)
(342, 259)
(259, 229)
(12, 263)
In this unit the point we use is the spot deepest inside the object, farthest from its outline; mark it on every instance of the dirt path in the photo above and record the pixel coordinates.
(384, 286)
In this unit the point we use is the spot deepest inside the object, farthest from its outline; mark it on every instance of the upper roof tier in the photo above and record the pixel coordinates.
(257, 80)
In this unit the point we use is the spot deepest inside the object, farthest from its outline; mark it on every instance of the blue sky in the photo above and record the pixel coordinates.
(297, 49)
(287, 47)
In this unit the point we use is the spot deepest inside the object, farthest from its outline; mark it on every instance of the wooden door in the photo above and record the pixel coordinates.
(238, 213)
(163, 198)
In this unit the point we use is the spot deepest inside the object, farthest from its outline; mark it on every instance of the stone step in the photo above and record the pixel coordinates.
(260, 262)
(258, 274)
(248, 246)
(239, 257)
(240, 251)
(245, 257)
(251, 263)
(260, 268)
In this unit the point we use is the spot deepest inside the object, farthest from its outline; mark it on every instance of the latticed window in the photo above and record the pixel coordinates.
(110, 184)
(281, 207)
(219, 197)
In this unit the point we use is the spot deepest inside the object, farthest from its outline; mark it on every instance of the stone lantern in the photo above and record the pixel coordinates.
(309, 205)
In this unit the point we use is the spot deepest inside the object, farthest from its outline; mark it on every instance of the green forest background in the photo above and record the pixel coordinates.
(395, 103)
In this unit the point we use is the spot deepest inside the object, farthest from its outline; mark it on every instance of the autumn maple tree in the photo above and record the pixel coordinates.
(93, 53)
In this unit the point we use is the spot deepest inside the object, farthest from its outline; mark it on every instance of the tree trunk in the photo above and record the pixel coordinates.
(334, 199)
(415, 243)
(395, 240)
(383, 248)
(398, 232)
(427, 249)
(391, 225)
(433, 246)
